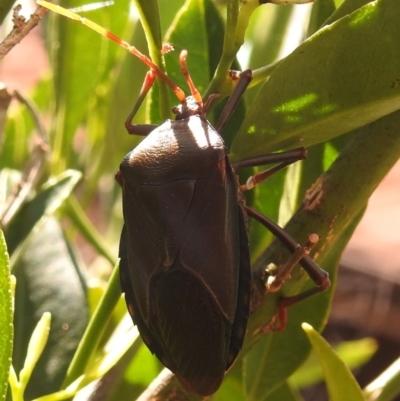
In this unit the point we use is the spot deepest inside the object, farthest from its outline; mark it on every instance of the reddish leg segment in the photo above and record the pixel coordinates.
(141, 129)
(299, 253)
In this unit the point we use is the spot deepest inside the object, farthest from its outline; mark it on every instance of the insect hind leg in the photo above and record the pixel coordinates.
(299, 256)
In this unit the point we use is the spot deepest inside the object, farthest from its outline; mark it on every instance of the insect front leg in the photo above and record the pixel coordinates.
(141, 129)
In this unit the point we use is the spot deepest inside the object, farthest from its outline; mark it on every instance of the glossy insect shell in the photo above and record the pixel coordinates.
(185, 265)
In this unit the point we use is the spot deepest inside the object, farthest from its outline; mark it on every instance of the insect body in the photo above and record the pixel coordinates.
(185, 265)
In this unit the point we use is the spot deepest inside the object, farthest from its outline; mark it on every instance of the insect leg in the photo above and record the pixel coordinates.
(290, 156)
(285, 159)
(141, 129)
(300, 255)
(244, 80)
(319, 276)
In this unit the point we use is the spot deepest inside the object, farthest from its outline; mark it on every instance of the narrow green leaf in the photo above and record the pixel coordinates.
(340, 382)
(189, 31)
(233, 39)
(94, 331)
(36, 346)
(386, 386)
(6, 317)
(5, 7)
(143, 368)
(265, 38)
(168, 11)
(353, 353)
(150, 18)
(267, 198)
(301, 104)
(232, 387)
(121, 382)
(5, 100)
(321, 10)
(277, 355)
(197, 27)
(106, 137)
(45, 203)
(284, 392)
(345, 8)
(20, 124)
(82, 59)
(208, 30)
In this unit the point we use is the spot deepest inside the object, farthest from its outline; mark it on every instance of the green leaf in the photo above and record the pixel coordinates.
(6, 318)
(188, 30)
(267, 198)
(150, 19)
(354, 353)
(197, 27)
(284, 392)
(323, 90)
(321, 10)
(143, 368)
(42, 205)
(347, 7)
(386, 386)
(278, 354)
(36, 346)
(340, 382)
(106, 137)
(83, 59)
(95, 330)
(5, 8)
(232, 386)
(5, 100)
(20, 124)
(266, 36)
(49, 280)
(332, 209)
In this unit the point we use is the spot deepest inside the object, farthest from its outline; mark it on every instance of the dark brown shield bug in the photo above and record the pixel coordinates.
(185, 263)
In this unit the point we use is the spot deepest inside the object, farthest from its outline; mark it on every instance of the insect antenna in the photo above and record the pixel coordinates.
(195, 93)
(180, 94)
